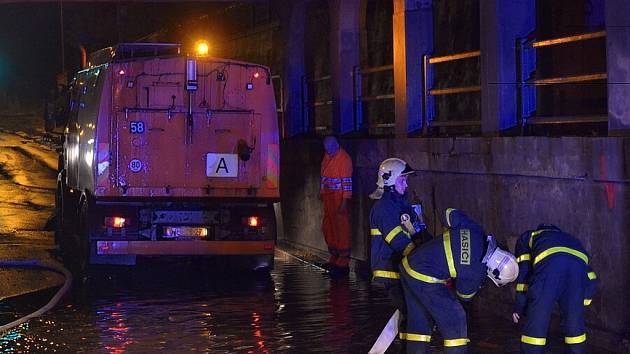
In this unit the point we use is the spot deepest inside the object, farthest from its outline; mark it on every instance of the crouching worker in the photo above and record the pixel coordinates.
(466, 255)
(554, 267)
(393, 226)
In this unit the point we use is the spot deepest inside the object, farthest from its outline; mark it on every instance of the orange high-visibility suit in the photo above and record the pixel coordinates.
(335, 186)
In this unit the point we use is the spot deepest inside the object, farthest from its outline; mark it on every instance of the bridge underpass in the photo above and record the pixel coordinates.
(509, 115)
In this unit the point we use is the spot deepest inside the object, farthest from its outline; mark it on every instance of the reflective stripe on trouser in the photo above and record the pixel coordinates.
(414, 337)
(336, 230)
(427, 303)
(561, 280)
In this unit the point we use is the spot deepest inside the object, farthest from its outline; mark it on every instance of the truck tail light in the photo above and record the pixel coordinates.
(116, 222)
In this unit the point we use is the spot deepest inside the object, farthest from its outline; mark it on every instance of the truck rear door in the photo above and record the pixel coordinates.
(156, 149)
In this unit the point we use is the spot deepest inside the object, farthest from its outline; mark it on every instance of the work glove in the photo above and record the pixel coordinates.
(419, 226)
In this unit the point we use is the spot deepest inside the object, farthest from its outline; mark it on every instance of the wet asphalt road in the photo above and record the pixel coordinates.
(27, 189)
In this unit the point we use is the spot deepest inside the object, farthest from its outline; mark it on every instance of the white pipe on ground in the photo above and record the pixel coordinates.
(55, 299)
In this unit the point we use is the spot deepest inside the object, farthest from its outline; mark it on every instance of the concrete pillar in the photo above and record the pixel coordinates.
(293, 18)
(501, 22)
(344, 57)
(618, 57)
(595, 15)
(413, 38)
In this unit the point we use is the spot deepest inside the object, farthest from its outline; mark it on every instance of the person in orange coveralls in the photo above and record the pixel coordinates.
(336, 191)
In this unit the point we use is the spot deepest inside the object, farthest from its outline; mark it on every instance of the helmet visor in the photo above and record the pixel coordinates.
(408, 171)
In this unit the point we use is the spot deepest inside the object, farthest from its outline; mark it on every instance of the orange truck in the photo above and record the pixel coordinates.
(166, 154)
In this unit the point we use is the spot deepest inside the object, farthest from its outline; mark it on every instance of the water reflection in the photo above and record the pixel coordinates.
(112, 322)
(198, 307)
(340, 329)
(256, 324)
(174, 307)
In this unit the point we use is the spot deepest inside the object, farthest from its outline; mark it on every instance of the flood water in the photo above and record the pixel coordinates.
(179, 307)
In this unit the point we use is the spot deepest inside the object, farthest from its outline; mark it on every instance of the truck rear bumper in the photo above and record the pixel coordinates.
(184, 248)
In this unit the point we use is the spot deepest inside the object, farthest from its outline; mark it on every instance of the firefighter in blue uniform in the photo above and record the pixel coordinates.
(554, 267)
(394, 226)
(464, 254)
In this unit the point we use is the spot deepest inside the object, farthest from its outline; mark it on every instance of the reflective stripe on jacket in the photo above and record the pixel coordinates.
(456, 255)
(536, 247)
(390, 241)
(336, 174)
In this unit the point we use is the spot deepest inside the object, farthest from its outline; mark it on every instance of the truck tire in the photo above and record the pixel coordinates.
(83, 246)
(61, 217)
(58, 217)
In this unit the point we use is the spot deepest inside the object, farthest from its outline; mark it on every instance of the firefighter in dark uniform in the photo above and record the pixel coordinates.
(554, 267)
(394, 225)
(465, 255)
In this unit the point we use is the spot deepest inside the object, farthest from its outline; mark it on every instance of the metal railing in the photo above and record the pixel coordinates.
(429, 115)
(360, 99)
(527, 92)
(526, 80)
(309, 121)
(308, 110)
(278, 85)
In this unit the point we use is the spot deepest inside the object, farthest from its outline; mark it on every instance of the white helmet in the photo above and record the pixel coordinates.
(502, 267)
(391, 168)
(388, 171)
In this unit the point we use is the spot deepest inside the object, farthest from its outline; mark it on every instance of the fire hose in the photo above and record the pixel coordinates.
(53, 301)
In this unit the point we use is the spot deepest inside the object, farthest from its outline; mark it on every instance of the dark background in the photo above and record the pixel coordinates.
(30, 36)
(30, 47)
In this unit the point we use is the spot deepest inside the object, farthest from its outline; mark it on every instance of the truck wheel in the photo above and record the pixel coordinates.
(58, 217)
(83, 249)
(61, 218)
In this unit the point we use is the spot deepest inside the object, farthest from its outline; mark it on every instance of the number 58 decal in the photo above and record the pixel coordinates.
(136, 127)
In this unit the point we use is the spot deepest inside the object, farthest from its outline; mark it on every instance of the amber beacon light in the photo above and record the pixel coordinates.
(202, 48)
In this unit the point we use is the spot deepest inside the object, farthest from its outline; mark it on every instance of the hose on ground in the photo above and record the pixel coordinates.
(53, 301)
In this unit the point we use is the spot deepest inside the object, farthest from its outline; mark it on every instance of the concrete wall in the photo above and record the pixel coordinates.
(508, 184)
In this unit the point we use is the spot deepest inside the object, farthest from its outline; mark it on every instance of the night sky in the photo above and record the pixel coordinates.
(29, 48)
(30, 43)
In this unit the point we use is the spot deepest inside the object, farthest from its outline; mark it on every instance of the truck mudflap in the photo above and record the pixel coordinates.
(185, 248)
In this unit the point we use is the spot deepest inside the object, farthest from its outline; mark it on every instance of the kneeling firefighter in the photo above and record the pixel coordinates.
(554, 267)
(464, 254)
(394, 226)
